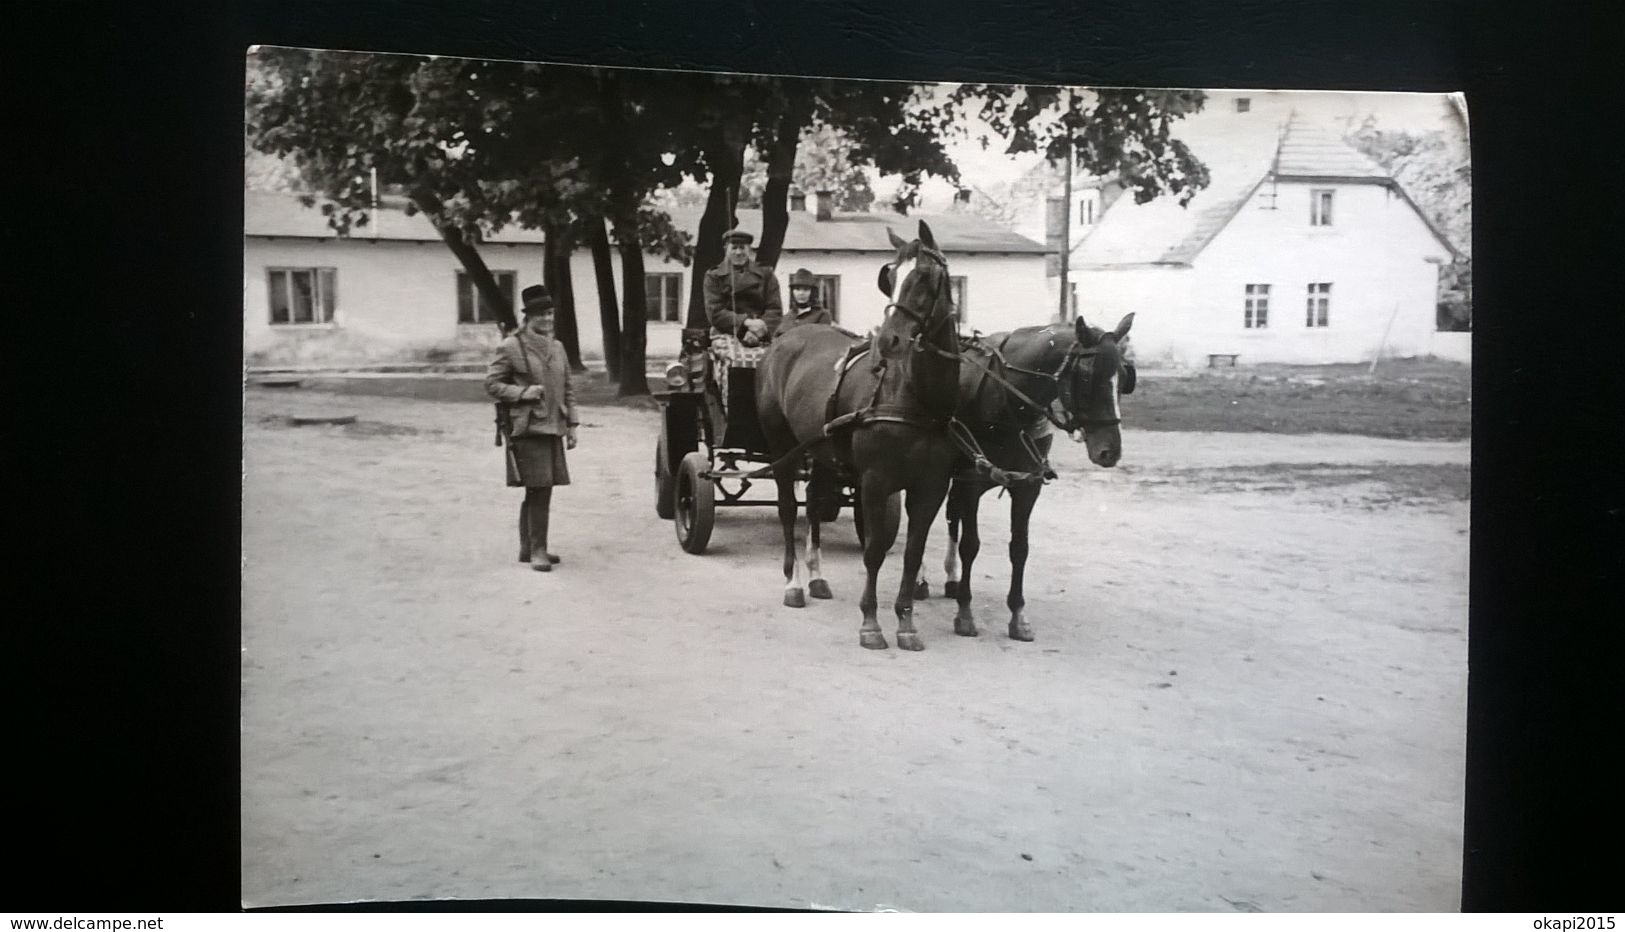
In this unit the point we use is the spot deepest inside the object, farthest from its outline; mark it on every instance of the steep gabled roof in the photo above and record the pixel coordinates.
(1308, 152)
(281, 215)
(1162, 233)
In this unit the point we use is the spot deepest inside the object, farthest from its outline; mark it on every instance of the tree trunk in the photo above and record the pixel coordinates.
(484, 282)
(634, 316)
(727, 158)
(608, 314)
(556, 251)
(781, 164)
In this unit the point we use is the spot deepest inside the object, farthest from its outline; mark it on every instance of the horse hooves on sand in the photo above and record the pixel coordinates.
(965, 627)
(909, 641)
(1019, 631)
(950, 588)
(922, 590)
(795, 598)
(819, 589)
(873, 640)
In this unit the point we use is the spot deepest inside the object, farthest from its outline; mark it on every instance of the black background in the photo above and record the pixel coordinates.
(123, 230)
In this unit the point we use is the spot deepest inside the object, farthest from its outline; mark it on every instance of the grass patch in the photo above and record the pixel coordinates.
(1404, 399)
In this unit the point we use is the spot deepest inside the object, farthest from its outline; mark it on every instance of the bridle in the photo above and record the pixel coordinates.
(925, 328)
(1064, 383)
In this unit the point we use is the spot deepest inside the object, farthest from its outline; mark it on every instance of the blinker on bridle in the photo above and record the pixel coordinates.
(1064, 390)
(927, 328)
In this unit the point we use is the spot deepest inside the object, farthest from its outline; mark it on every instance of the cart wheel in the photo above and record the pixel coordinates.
(664, 481)
(696, 505)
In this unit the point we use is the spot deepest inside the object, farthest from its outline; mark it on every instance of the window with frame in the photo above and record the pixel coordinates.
(1086, 211)
(1244, 104)
(1320, 207)
(472, 309)
(827, 294)
(961, 286)
(1318, 313)
(302, 296)
(662, 292)
(1256, 314)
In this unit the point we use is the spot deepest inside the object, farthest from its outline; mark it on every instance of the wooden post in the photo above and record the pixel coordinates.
(1066, 231)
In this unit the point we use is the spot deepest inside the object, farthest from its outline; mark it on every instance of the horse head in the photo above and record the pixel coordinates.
(1095, 377)
(918, 327)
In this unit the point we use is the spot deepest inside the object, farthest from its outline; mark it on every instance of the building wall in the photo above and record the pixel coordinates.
(1375, 254)
(397, 301)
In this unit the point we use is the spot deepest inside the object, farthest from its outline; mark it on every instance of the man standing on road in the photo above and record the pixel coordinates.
(741, 297)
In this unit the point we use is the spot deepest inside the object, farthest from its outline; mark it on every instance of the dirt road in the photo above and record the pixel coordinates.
(1247, 692)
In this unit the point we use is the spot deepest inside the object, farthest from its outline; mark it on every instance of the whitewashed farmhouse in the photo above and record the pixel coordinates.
(393, 292)
(1302, 250)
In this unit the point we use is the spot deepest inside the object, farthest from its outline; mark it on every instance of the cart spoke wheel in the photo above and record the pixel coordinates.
(695, 504)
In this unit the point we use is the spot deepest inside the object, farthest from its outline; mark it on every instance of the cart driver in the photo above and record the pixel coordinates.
(741, 297)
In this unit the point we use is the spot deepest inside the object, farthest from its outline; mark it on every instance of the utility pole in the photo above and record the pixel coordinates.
(1066, 219)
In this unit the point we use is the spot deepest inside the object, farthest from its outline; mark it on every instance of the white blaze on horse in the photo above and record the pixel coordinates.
(880, 422)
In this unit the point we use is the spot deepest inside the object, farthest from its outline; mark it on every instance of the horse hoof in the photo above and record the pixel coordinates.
(795, 598)
(1020, 632)
(908, 640)
(965, 628)
(922, 590)
(873, 640)
(819, 589)
(950, 589)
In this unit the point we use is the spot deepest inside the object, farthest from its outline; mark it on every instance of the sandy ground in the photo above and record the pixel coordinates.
(1247, 692)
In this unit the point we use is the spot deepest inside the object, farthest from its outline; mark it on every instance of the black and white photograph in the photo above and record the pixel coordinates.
(837, 494)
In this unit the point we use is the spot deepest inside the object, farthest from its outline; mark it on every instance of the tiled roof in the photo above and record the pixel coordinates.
(1239, 159)
(275, 214)
(1311, 151)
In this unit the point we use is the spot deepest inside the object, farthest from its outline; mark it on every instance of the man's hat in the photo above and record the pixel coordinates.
(536, 299)
(801, 278)
(737, 236)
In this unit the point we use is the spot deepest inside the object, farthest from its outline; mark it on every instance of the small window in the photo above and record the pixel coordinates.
(827, 294)
(1086, 211)
(1244, 104)
(1256, 313)
(1320, 301)
(302, 296)
(471, 309)
(961, 285)
(1320, 207)
(662, 292)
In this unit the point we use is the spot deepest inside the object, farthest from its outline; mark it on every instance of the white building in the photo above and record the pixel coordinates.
(393, 291)
(1302, 250)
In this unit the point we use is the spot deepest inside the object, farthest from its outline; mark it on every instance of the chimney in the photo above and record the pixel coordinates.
(798, 200)
(826, 204)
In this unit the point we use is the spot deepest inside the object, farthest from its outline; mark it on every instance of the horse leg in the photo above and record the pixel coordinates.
(794, 597)
(950, 563)
(823, 479)
(923, 501)
(879, 533)
(1022, 499)
(817, 585)
(969, 499)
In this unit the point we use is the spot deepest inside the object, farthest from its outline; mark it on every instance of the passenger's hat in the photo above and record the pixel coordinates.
(737, 235)
(537, 300)
(801, 278)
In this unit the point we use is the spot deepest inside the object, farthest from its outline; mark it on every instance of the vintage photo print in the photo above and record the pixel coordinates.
(820, 493)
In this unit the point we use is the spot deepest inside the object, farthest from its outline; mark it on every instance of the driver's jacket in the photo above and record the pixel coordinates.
(733, 296)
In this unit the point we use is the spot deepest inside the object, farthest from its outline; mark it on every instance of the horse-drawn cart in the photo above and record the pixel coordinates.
(711, 441)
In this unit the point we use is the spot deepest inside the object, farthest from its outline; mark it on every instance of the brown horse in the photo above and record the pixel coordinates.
(1007, 389)
(878, 421)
